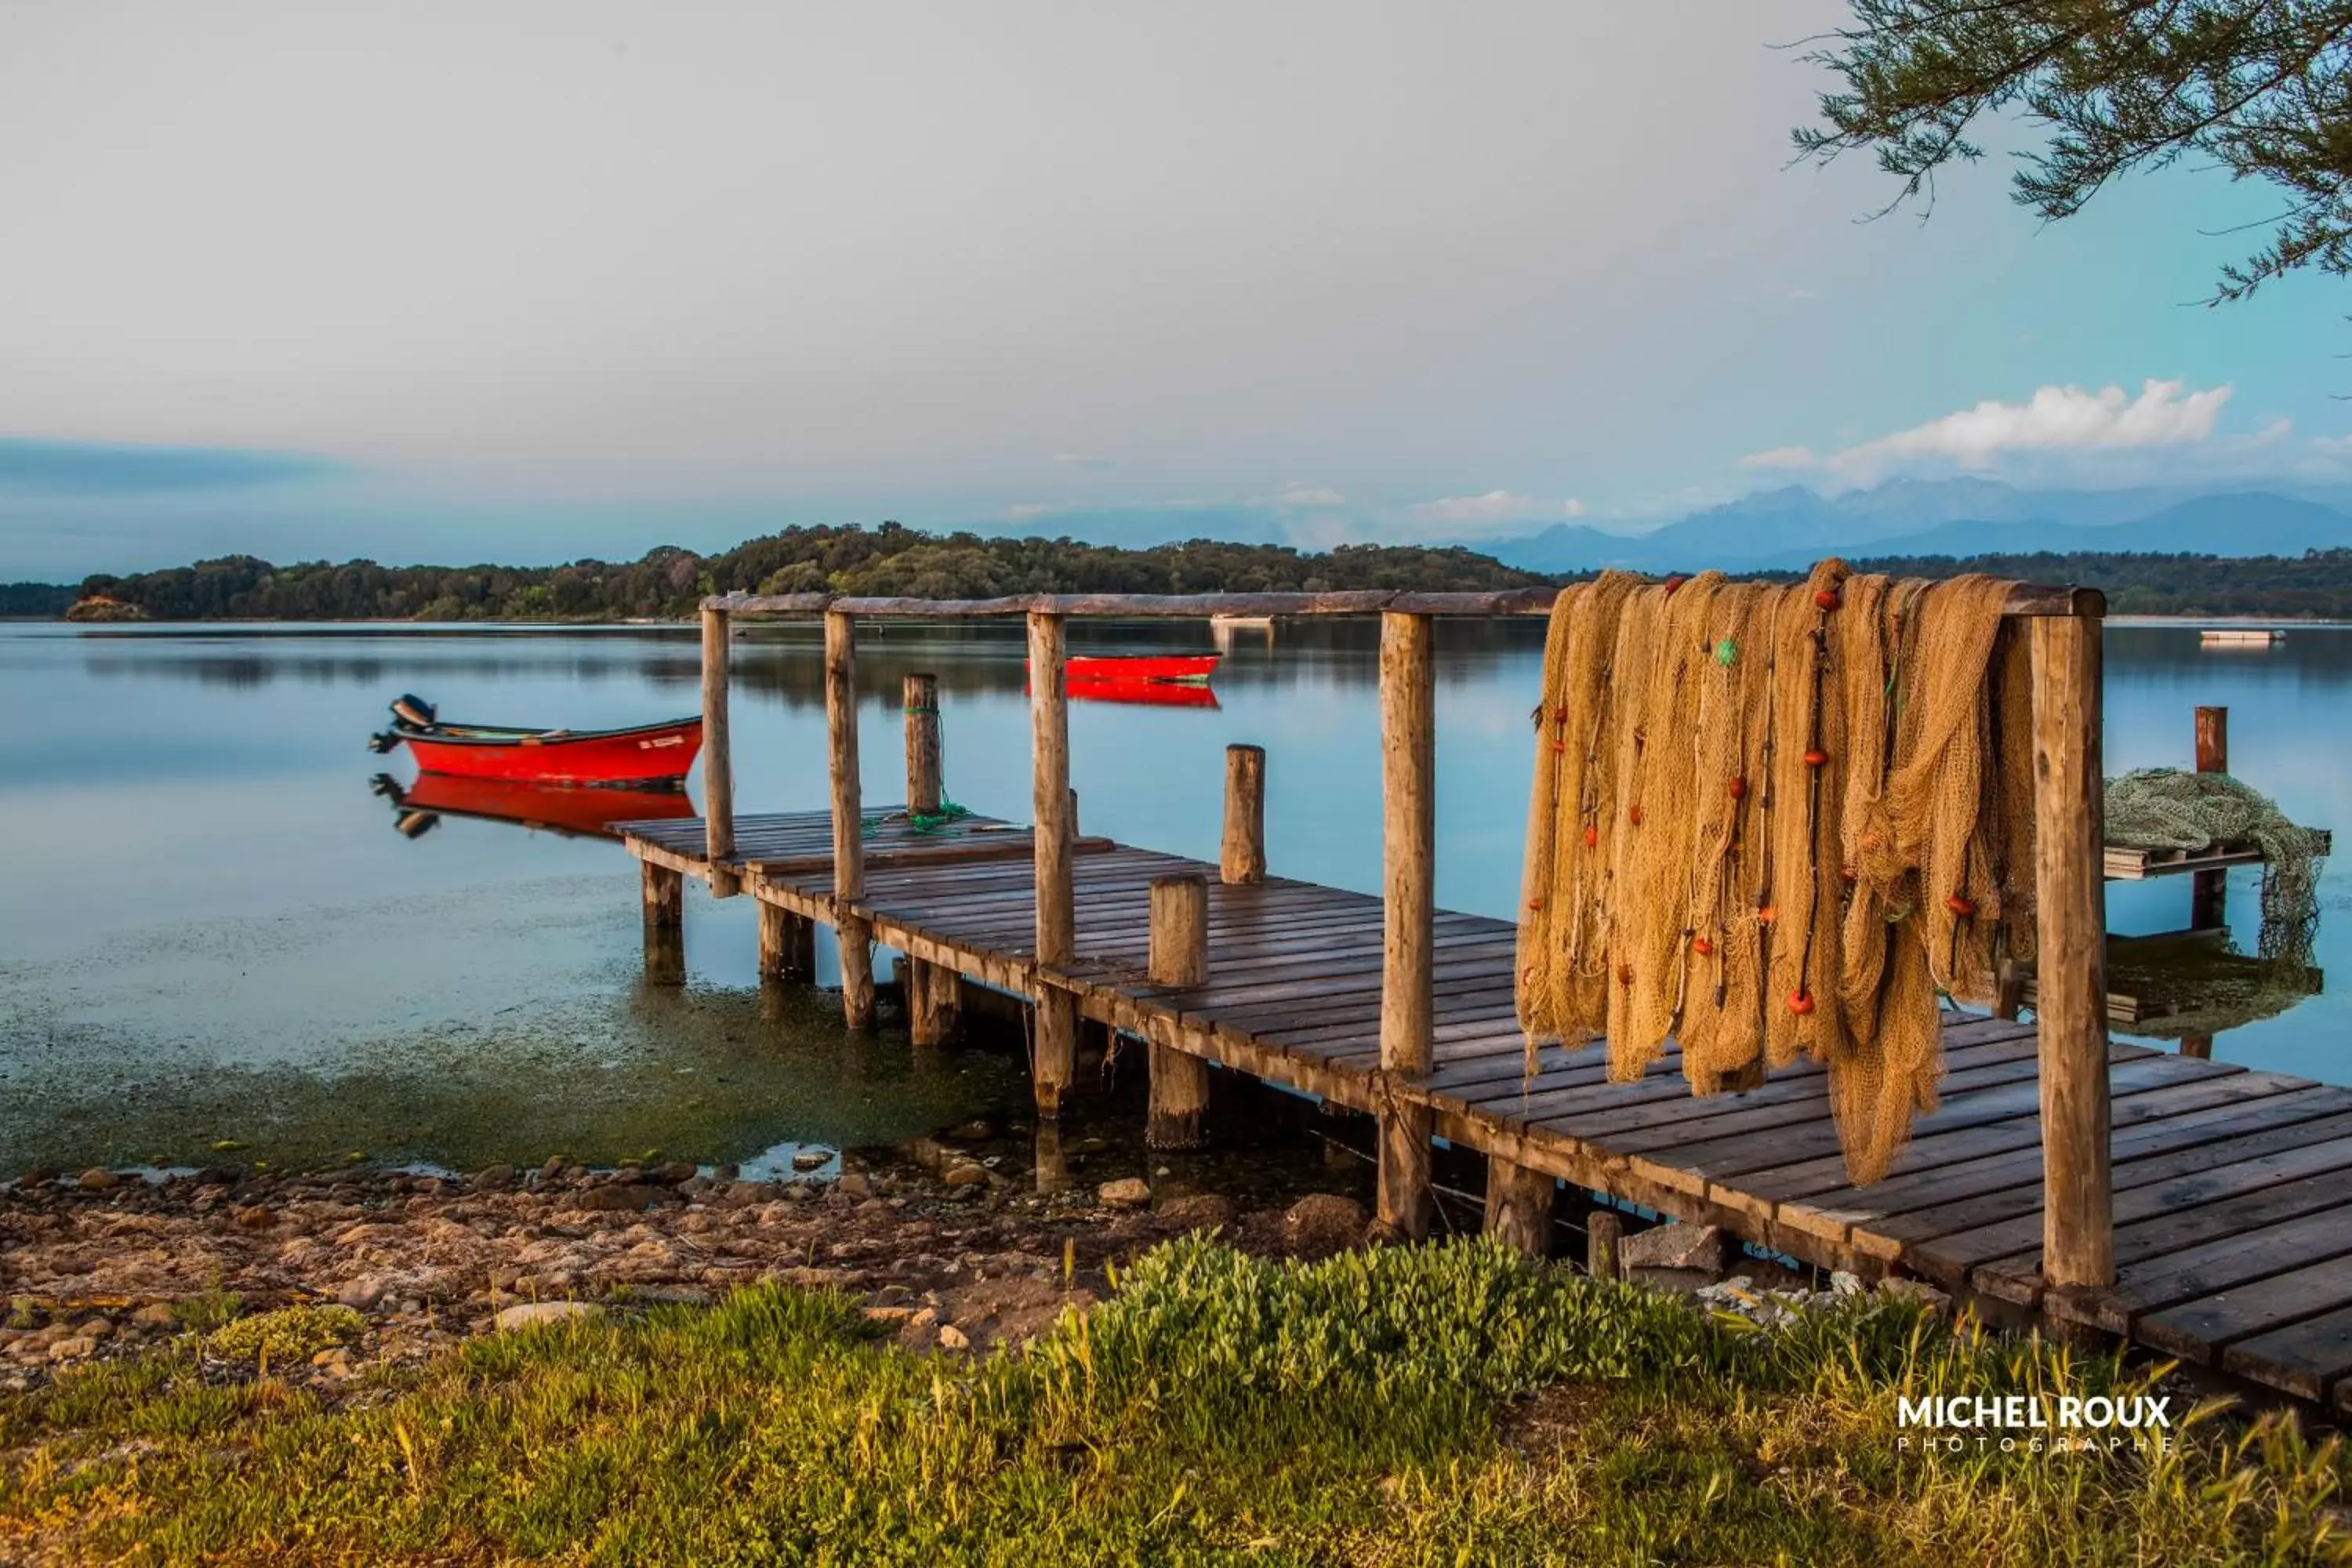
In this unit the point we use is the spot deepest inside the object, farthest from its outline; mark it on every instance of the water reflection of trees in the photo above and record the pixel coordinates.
(784, 661)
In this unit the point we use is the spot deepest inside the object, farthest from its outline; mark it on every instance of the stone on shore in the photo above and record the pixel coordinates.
(1126, 1193)
(1698, 1248)
(535, 1314)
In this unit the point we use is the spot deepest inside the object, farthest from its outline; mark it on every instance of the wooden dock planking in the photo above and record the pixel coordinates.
(2233, 1189)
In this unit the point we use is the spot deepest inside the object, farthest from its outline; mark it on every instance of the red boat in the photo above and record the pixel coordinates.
(573, 810)
(648, 755)
(1129, 668)
(1150, 693)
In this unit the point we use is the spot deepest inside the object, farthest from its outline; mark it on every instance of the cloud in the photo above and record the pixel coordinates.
(2055, 419)
(1308, 494)
(94, 468)
(1495, 506)
(1082, 460)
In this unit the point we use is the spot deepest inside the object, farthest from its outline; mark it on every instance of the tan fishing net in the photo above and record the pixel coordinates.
(1770, 821)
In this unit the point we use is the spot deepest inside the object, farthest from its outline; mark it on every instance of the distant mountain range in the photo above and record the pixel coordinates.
(1794, 526)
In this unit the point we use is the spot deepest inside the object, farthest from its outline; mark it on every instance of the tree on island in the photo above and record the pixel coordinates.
(2263, 88)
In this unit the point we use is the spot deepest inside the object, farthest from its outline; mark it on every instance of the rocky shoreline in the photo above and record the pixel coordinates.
(938, 1246)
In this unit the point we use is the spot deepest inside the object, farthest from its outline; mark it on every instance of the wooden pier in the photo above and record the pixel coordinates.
(2197, 1207)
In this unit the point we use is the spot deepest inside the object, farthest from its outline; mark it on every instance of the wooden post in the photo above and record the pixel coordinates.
(1604, 1232)
(2078, 1242)
(1179, 957)
(1518, 1206)
(800, 949)
(2209, 892)
(664, 897)
(934, 1001)
(718, 766)
(663, 892)
(1055, 1044)
(1409, 827)
(1243, 855)
(775, 941)
(924, 788)
(849, 830)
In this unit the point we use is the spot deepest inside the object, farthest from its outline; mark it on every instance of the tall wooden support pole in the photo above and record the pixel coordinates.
(2209, 890)
(718, 765)
(1409, 832)
(1242, 857)
(1056, 1043)
(933, 992)
(1518, 1206)
(663, 892)
(925, 789)
(848, 841)
(1180, 959)
(2078, 1239)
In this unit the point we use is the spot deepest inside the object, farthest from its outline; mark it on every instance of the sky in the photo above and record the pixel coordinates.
(529, 281)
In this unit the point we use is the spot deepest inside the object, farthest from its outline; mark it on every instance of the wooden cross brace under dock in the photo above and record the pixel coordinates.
(2196, 1206)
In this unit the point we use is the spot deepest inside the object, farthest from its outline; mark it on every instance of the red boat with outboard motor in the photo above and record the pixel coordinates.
(645, 756)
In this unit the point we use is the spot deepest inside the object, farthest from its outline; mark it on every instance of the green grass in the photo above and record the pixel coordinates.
(1445, 1404)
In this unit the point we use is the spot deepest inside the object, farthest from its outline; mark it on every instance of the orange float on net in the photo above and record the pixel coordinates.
(1633, 814)
(1801, 1002)
(1816, 757)
(1592, 836)
(1624, 974)
(1738, 788)
(1960, 905)
(1675, 581)
(1701, 946)
(1768, 913)
(1848, 874)
(1828, 598)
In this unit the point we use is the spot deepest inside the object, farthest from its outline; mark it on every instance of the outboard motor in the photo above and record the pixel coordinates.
(413, 711)
(384, 741)
(387, 787)
(417, 823)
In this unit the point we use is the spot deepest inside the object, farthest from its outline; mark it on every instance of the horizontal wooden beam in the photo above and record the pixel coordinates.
(2029, 600)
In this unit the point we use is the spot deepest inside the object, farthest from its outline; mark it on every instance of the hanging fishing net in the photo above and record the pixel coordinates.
(2206, 993)
(1775, 821)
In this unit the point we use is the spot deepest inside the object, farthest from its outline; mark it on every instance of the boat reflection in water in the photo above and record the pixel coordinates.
(576, 810)
(1152, 693)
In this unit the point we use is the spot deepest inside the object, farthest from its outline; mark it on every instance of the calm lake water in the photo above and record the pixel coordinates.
(211, 932)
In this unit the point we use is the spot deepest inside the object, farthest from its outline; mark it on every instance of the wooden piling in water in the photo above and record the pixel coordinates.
(855, 932)
(1409, 831)
(775, 941)
(1518, 1206)
(718, 766)
(925, 786)
(2078, 1242)
(934, 1002)
(1054, 1042)
(1177, 958)
(1241, 856)
(2209, 892)
(663, 891)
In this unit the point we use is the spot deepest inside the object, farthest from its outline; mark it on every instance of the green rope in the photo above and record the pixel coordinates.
(947, 816)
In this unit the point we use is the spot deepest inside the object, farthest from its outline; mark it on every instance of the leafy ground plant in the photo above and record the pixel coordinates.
(1447, 1405)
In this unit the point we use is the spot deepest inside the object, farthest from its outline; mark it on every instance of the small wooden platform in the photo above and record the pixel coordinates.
(2233, 1189)
(2126, 864)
